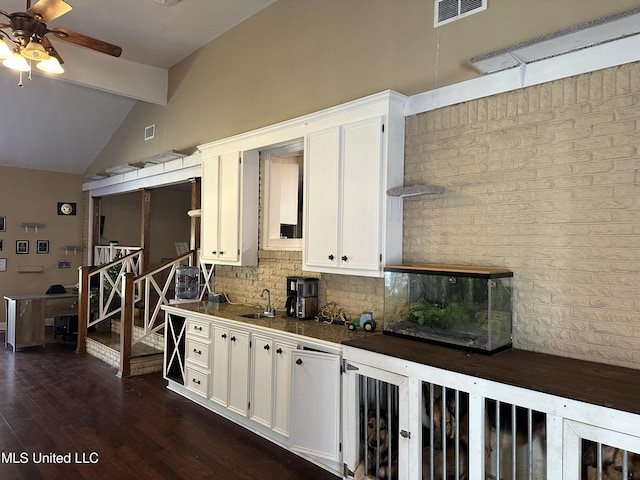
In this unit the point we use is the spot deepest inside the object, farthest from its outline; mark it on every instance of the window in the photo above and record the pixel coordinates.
(282, 216)
(449, 10)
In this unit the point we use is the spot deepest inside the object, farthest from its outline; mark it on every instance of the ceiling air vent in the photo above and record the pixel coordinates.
(449, 10)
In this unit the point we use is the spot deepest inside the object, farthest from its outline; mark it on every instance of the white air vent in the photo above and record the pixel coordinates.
(149, 132)
(449, 10)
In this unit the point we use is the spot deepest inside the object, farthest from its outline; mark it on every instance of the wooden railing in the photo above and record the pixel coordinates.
(101, 292)
(103, 254)
(115, 289)
(148, 292)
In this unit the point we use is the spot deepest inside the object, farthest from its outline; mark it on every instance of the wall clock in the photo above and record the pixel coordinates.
(66, 208)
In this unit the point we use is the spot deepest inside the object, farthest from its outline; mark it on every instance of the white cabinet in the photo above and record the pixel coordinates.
(348, 169)
(283, 386)
(230, 208)
(196, 353)
(230, 369)
(315, 408)
(271, 382)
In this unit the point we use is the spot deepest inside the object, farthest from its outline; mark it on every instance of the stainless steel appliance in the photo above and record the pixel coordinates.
(302, 297)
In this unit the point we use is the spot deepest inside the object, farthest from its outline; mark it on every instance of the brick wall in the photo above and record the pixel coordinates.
(544, 181)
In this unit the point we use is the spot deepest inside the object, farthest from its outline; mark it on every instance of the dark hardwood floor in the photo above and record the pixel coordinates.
(58, 406)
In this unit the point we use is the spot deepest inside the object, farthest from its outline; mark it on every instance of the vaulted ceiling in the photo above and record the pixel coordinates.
(62, 123)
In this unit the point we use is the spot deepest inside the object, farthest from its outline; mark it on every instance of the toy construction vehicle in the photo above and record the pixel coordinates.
(365, 322)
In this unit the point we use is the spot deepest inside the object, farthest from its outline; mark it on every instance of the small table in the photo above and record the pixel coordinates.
(26, 315)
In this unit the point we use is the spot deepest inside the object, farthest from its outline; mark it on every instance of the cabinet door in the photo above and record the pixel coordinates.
(262, 353)
(174, 348)
(282, 386)
(229, 207)
(362, 195)
(210, 208)
(238, 372)
(315, 404)
(220, 365)
(322, 178)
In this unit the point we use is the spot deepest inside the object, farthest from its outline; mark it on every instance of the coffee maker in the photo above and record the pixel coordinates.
(302, 297)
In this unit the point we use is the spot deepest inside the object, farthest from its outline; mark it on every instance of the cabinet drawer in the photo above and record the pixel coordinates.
(198, 381)
(198, 352)
(198, 328)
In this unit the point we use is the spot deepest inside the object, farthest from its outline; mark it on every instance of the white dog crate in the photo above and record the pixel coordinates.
(444, 424)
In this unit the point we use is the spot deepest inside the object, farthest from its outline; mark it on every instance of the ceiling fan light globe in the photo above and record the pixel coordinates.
(35, 51)
(51, 66)
(5, 51)
(16, 62)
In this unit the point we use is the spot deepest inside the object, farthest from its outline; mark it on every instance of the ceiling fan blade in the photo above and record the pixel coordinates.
(47, 10)
(50, 50)
(85, 41)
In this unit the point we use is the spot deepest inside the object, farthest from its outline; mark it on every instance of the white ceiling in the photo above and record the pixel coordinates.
(61, 113)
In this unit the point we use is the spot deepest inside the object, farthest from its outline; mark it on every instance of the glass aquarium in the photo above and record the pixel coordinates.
(462, 306)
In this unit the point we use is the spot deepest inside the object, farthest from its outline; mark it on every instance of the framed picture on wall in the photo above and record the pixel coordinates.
(3, 224)
(3, 264)
(22, 247)
(0, 245)
(42, 246)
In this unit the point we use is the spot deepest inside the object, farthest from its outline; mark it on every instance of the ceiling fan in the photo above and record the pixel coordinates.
(28, 40)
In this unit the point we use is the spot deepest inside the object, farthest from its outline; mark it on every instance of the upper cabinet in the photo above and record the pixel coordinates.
(348, 168)
(354, 153)
(230, 209)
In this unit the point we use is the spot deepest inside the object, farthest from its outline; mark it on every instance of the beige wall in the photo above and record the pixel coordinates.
(297, 57)
(169, 220)
(32, 196)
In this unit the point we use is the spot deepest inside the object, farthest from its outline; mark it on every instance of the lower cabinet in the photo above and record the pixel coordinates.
(273, 383)
(230, 369)
(315, 393)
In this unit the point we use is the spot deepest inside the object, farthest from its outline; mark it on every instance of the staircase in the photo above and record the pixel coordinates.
(145, 358)
(124, 312)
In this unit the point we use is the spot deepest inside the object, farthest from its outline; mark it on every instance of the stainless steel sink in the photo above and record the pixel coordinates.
(254, 316)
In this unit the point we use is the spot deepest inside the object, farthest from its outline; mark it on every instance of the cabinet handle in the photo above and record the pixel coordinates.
(221, 252)
(279, 351)
(214, 252)
(199, 352)
(344, 258)
(195, 381)
(233, 339)
(299, 361)
(267, 347)
(196, 327)
(330, 257)
(224, 335)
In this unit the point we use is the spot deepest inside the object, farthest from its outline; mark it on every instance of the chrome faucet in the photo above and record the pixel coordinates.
(269, 311)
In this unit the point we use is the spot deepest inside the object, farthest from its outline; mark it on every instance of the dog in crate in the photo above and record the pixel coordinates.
(444, 468)
(612, 462)
(448, 418)
(378, 459)
(501, 420)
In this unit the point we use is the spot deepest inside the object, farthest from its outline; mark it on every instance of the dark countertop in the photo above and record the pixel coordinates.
(591, 382)
(332, 333)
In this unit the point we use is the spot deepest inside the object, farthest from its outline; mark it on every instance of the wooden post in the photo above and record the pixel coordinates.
(195, 221)
(126, 326)
(95, 232)
(83, 308)
(145, 233)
